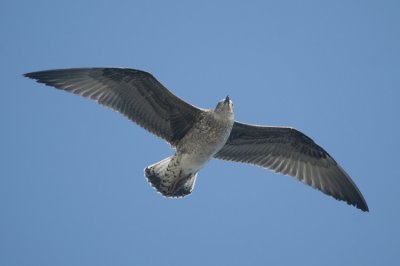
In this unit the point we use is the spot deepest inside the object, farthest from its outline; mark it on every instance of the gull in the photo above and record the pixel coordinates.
(199, 135)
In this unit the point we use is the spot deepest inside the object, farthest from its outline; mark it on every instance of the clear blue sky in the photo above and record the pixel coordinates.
(72, 190)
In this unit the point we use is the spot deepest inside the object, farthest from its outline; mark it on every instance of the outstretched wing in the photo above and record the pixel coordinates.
(290, 152)
(134, 93)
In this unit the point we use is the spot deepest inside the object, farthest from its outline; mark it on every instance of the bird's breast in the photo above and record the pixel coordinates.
(204, 140)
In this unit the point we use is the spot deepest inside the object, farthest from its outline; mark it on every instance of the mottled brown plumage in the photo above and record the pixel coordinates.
(199, 134)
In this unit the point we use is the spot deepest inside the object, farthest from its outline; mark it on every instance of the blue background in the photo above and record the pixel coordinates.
(72, 190)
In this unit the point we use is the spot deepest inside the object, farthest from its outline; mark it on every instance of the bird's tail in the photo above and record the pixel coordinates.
(166, 177)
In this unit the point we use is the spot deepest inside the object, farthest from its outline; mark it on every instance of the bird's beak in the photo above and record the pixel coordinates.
(226, 99)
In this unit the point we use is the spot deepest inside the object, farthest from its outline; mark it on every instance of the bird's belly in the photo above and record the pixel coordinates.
(192, 160)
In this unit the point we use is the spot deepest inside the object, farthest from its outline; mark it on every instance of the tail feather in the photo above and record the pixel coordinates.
(166, 177)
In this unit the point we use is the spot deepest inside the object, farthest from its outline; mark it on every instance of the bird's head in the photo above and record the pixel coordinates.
(225, 106)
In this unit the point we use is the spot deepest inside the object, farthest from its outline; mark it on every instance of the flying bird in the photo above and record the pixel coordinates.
(199, 135)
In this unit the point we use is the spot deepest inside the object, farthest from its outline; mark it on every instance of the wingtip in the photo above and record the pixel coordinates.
(360, 203)
(30, 75)
(363, 207)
